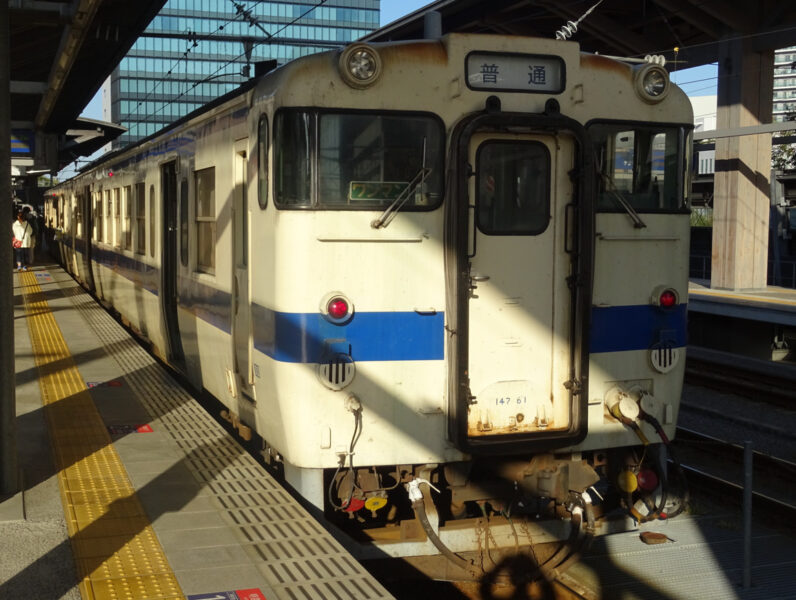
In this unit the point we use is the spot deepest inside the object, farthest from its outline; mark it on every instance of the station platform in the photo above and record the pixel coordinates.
(774, 305)
(757, 324)
(130, 489)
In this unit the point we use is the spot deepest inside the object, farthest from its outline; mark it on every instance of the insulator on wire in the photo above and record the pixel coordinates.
(567, 31)
(655, 59)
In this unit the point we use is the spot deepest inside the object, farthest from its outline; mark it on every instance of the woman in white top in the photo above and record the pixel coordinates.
(22, 232)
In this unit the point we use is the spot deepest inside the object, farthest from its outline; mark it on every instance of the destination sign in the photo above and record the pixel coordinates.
(532, 73)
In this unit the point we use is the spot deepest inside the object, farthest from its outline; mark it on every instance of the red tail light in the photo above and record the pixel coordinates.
(337, 308)
(667, 299)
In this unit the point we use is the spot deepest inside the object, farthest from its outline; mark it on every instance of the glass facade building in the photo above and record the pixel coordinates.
(196, 50)
(785, 84)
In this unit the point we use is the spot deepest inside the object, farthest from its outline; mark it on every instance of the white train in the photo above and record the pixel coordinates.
(459, 261)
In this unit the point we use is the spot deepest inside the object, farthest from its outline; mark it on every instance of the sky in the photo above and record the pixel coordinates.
(395, 9)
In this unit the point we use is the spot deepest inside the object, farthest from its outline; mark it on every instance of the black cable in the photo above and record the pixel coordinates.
(585, 541)
(420, 512)
(354, 438)
(679, 469)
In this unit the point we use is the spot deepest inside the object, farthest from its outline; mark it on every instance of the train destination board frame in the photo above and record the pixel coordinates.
(529, 73)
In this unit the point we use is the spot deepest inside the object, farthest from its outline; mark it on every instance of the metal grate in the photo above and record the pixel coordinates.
(117, 554)
(337, 373)
(299, 558)
(664, 358)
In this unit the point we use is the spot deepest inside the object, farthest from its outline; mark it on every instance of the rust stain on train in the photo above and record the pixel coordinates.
(422, 52)
(480, 430)
(602, 63)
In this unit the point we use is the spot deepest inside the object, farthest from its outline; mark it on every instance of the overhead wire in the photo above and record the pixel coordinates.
(193, 43)
(680, 46)
(269, 39)
(241, 11)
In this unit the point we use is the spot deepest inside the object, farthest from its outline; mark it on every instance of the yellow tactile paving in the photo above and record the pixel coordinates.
(116, 551)
(759, 298)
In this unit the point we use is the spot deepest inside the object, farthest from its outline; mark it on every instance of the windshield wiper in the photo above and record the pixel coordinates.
(637, 222)
(389, 213)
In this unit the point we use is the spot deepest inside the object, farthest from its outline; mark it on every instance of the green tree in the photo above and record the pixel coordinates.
(783, 156)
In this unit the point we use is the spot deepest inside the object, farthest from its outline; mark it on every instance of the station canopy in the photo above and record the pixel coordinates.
(61, 51)
(619, 27)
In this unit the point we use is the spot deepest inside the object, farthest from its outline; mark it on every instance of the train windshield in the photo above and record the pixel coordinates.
(362, 160)
(639, 167)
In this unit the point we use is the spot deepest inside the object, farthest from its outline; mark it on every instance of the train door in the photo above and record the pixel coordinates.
(241, 298)
(169, 262)
(86, 208)
(515, 355)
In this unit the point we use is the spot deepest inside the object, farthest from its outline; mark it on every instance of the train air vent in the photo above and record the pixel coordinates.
(664, 358)
(337, 372)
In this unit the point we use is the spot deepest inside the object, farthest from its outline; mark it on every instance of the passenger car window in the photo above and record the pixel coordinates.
(262, 162)
(152, 229)
(140, 218)
(205, 211)
(184, 222)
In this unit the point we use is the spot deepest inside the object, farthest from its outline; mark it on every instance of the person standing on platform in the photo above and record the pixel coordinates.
(23, 233)
(30, 217)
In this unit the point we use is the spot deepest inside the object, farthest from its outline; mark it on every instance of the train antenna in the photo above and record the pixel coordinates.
(568, 30)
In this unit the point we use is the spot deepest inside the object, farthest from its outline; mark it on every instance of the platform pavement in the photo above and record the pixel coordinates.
(214, 511)
(37, 559)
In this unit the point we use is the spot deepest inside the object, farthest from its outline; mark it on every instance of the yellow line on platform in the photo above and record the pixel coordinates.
(741, 296)
(116, 551)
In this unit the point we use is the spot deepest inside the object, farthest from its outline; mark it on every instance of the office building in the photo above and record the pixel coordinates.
(196, 50)
(785, 84)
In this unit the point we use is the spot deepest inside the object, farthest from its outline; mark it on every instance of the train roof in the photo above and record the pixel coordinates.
(242, 89)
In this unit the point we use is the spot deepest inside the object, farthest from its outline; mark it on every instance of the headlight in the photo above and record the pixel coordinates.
(360, 65)
(652, 83)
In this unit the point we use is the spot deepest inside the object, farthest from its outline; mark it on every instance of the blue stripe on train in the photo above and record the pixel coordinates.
(640, 327)
(368, 336)
(385, 336)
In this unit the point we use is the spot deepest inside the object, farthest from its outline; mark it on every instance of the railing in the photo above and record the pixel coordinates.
(786, 276)
(701, 216)
(699, 267)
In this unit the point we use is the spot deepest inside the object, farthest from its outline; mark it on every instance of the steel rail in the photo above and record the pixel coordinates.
(773, 382)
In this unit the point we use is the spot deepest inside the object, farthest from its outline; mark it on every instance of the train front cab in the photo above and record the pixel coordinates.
(570, 246)
(570, 249)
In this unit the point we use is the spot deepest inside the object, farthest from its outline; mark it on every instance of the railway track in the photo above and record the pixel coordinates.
(774, 382)
(715, 467)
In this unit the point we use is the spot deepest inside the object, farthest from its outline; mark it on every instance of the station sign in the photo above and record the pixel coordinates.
(250, 594)
(21, 143)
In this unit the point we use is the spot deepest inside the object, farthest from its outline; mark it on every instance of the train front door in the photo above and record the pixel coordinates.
(168, 262)
(518, 307)
(241, 297)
